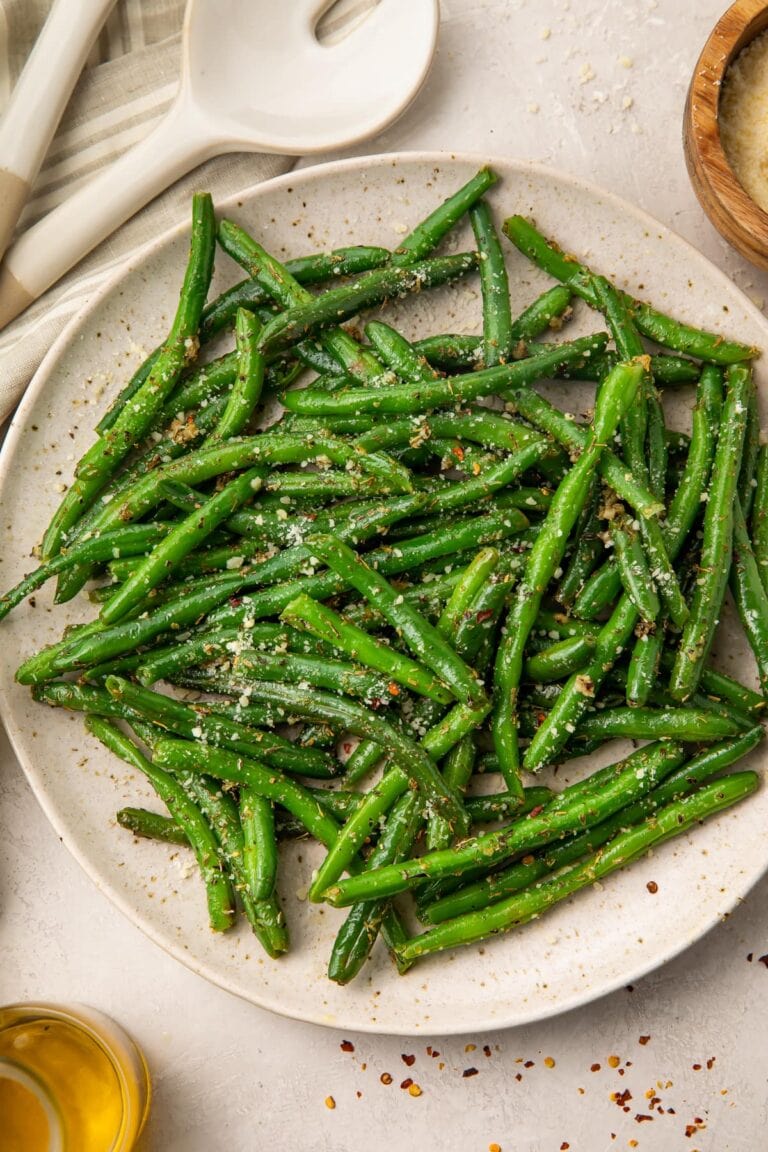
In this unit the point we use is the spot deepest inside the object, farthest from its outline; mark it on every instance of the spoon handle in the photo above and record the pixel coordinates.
(44, 253)
(39, 98)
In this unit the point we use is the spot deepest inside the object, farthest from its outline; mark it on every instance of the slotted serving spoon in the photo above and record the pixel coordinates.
(254, 79)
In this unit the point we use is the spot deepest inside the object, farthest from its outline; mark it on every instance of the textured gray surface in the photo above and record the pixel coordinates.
(228, 1076)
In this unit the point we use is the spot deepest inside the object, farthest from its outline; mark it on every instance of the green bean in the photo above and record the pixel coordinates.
(634, 426)
(587, 550)
(472, 580)
(105, 455)
(219, 893)
(567, 813)
(633, 569)
(152, 826)
(717, 541)
(259, 862)
(759, 525)
(134, 539)
(644, 665)
(312, 671)
(691, 724)
(716, 683)
(665, 369)
(179, 542)
(574, 437)
(366, 291)
(656, 443)
(627, 845)
(451, 352)
(521, 874)
(543, 560)
(249, 294)
(494, 285)
(358, 828)
(184, 755)
(127, 393)
(615, 634)
(314, 269)
(654, 325)
(265, 916)
(355, 718)
(404, 399)
(498, 805)
(747, 481)
(559, 660)
(581, 687)
(424, 641)
(248, 385)
(707, 411)
(323, 622)
(358, 933)
(749, 593)
(427, 235)
(397, 354)
(199, 723)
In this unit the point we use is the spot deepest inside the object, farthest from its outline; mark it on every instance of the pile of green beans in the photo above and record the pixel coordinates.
(334, 626)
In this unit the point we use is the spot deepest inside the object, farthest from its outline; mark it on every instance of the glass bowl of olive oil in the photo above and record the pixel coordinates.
(71, 1080)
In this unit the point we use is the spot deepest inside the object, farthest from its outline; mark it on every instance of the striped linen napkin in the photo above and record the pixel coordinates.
(129, 82)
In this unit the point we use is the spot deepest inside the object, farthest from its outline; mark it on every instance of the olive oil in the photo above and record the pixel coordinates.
(70, 1081)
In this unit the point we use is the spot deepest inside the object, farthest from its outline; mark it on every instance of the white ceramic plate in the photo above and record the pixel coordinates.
(586, 947)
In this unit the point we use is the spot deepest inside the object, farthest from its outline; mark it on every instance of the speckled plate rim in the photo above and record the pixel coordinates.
(68, 834)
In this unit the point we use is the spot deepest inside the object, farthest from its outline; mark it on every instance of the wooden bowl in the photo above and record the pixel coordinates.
(732, 211)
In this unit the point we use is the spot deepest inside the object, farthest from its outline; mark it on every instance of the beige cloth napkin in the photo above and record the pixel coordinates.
(130, 81)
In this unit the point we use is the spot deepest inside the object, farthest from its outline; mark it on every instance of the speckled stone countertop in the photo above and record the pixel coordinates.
(595, 88)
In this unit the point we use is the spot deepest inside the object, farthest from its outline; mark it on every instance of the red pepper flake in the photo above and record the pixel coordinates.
(359, 1094)
(347, 1046)
(483, 615)
(518, 1076)
(347, 747)
(763, 960)
(458, 451)
(642, 1116)
(486, 1049)
(235, 601)
(696, 1067)
(434, 1054)
(690, 1130)
(385, 1078)
(469, 1072)
(643, 1039)
(393, 688)
(406, 1059)
(407, 1082)
(529, 1064)
(711, 1063)
(539, 807)
(652, 887)
(594, 1067)
(564, 1146)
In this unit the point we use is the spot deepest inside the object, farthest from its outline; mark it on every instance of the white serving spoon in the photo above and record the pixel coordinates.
(254, 79)
(39, 98)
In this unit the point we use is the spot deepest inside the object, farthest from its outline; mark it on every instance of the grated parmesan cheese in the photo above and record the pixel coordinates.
(743, 118)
